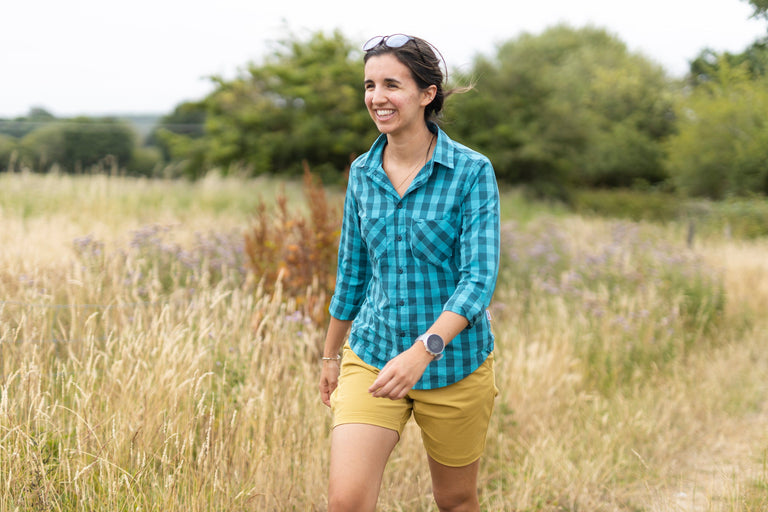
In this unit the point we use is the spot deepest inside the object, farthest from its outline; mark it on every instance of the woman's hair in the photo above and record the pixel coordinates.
(419, 57)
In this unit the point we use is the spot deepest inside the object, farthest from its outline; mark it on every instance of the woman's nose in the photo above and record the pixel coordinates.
(378, 96)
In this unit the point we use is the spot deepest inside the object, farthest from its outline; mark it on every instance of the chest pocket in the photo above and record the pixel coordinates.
(374, 233)
(432, 240)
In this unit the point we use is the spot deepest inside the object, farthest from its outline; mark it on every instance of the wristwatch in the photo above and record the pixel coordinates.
(434, 344)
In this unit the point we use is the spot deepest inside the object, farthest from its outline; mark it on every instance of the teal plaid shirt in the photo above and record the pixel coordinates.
(403, 261)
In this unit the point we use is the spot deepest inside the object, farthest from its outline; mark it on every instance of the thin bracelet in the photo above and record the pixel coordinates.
(334, 358)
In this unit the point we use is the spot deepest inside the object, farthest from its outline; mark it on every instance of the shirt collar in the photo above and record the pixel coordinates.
(443, 153)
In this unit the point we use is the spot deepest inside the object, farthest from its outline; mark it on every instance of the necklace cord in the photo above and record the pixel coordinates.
(418, 166)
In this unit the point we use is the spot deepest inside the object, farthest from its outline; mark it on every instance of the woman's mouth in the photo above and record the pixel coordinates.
(384, 114)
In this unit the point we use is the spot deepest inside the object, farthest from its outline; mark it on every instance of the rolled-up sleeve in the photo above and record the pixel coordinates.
(353, 271)
(479, 246)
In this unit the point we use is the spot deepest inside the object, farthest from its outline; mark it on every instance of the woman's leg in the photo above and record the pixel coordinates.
(359, 454)
(455, 489)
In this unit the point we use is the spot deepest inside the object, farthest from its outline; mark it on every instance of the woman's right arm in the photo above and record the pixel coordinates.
(352, 275)
(329, 376)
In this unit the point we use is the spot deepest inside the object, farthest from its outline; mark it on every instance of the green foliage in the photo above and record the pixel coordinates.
(187, 119)
(303, 103)
(145, 161)
(655, 206)
(761, 8)
(7, 150)
(567, 106)
(78, 144)
(743, 218)
(87, 141)
(735, 217)
(187, 152)
(721, 147)
(706, 67)
(43, 147)
(21, 126)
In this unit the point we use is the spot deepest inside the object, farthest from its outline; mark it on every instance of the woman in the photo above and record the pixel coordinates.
(418, 260)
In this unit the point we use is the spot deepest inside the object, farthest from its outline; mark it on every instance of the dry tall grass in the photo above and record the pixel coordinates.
(134, 377)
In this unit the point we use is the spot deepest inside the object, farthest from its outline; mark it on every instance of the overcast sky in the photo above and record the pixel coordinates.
(146, 56)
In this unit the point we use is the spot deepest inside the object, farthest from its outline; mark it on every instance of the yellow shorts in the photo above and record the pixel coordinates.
(453, 419)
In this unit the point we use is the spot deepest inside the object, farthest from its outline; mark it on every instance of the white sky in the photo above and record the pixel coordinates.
(146, 56)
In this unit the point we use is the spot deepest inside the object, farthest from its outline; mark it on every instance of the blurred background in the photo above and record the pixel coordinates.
(665, 96)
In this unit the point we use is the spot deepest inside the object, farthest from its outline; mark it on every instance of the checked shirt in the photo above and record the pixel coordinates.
(403, 261)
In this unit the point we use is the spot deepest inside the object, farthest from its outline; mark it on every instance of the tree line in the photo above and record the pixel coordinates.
(569, 107)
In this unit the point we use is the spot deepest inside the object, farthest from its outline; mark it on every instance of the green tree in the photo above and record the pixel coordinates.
(304, 102)
(721, 147)
(87, 141)
(761, 8)
(20, 126)
(8, 146)
(43, 147)
(568, 106)
(77, 144)
(705, 67)
(187, 119)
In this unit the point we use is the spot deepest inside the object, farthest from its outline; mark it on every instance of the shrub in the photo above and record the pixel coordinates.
(627, 204)
(297, 252)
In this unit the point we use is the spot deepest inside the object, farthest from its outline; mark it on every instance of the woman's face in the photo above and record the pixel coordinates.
(394, 101)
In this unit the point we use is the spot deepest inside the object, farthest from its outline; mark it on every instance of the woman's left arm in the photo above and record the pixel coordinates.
(479, 247)
(400, 374)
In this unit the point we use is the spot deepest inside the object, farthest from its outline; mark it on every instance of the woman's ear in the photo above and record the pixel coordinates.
(428, 95)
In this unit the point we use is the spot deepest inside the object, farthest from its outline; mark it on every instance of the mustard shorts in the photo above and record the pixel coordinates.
(453, 419)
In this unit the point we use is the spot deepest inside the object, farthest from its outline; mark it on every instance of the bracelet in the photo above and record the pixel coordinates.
(334, 358)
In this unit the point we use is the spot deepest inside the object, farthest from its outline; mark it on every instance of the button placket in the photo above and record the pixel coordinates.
(400, 252)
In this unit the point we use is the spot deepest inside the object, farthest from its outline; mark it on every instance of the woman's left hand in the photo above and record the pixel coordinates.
(399, 375)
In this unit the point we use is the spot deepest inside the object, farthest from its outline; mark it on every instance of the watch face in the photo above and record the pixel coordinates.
(435, 344)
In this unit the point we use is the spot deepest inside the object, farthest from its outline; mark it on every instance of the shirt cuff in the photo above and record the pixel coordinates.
(342, 310)
(472, 316)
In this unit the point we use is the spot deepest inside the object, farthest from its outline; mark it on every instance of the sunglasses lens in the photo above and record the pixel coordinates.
(394, 41)
(372, 43)
(397, 40)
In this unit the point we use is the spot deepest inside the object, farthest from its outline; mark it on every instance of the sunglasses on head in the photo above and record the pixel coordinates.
(398, 41)
(393, 41)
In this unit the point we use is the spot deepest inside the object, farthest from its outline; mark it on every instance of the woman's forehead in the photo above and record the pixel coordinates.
(386, 66)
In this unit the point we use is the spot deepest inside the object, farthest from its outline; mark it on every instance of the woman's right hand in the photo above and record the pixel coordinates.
(329, 379)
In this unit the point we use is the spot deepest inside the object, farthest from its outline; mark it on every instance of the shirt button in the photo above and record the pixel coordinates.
(400, 270)
(399, 205)
(401, 303)
(399, 238)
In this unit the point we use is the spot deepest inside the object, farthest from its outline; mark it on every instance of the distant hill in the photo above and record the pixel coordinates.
(20, 126)
(142, 123)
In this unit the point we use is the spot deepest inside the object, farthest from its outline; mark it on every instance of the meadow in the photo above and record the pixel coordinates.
(144, 365)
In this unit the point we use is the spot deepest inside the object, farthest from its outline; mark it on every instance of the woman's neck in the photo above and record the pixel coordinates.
(403, 149)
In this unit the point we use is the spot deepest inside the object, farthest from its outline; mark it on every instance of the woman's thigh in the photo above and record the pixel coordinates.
(359, 454)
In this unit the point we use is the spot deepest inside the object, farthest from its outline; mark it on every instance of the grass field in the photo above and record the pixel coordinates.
(143, 368)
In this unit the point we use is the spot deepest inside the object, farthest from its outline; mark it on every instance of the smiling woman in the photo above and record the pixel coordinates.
(418, 261)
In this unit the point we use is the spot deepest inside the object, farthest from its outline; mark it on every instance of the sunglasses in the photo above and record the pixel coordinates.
(399, 40)
(393, 41)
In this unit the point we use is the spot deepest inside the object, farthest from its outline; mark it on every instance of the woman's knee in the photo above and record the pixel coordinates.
(346, 501)
(456, 500)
